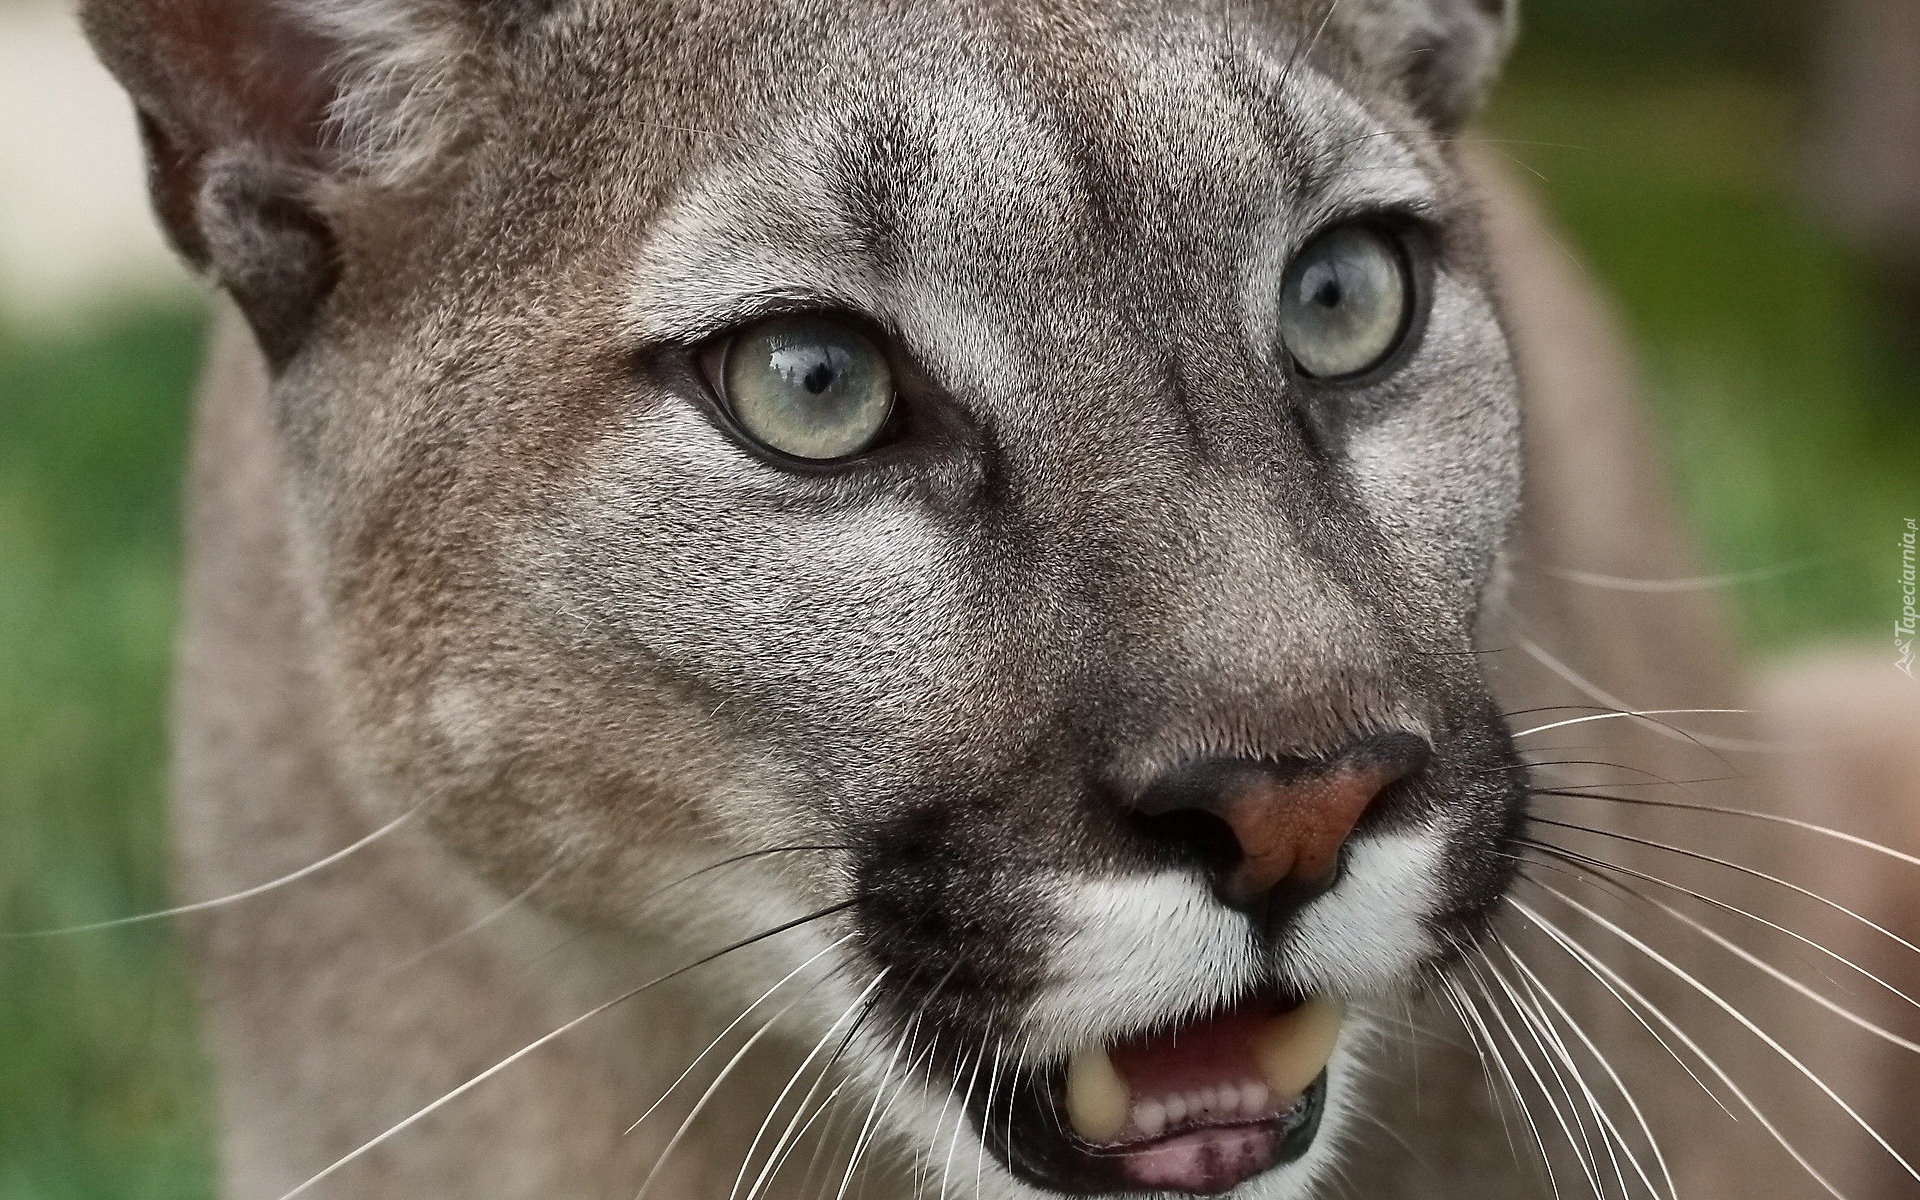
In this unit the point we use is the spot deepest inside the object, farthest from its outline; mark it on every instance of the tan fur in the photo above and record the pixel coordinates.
(472, 560)
(322, 1042)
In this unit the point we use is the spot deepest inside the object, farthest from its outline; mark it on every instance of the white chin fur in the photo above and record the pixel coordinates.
(1132, 951)
(1369, 933)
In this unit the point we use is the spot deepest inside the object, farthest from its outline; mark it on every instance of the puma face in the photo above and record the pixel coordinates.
(1017, 480)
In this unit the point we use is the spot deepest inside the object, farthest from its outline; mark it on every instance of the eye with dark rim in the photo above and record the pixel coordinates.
(1349, 302)
(812, 387)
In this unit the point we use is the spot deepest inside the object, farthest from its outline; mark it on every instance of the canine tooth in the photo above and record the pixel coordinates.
(1097, 1098)
(1150, 1116)
(1177, 1109)
(1295, 1048)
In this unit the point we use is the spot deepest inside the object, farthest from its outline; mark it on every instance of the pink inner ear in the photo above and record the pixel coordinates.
(250, 73)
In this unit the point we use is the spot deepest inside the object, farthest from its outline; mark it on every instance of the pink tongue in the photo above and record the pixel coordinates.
(1207, 1053)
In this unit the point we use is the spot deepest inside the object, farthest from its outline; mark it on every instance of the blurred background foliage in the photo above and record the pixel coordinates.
(1670, 136)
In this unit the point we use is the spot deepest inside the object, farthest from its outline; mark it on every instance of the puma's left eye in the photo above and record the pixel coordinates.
(1346, 302)
(809, 387)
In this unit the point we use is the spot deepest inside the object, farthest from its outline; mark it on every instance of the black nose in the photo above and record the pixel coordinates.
(1270, 832)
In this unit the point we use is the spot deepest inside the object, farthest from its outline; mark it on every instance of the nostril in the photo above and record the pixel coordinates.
(1195, 835)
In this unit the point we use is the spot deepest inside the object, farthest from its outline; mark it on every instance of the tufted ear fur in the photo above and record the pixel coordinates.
(1445, 54)
(262, 117)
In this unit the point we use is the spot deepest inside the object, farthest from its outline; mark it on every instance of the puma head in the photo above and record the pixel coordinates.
(1024, 473)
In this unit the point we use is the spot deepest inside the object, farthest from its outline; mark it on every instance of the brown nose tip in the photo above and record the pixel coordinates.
(1271, 829)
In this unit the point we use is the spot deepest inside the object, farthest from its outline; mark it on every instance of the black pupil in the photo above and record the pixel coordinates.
(819, 379)
(1329, 293)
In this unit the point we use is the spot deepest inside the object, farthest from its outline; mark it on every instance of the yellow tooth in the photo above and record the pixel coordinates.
(1097, 1097)
(1295, 1047)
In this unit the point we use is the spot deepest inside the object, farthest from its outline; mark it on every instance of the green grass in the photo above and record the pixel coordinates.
(101, 1092)
(1791, 417)
(1792, 431)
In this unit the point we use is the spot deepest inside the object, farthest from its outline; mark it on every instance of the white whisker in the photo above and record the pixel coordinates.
(706, 1097)
(1741, 868)
(953, 1142)
(1626, 715)
(455, 1093)
(731, 1026)
(746, 1160)
(260, 889)
(1602, 865)
(1746, 1022)
(1578, 1142)
(1776, 974)
(512, 903)
(1540, 989)
(1754, 815)
(1599, 968)
(1601, 696)
(1532, 995)
(1477, 1027)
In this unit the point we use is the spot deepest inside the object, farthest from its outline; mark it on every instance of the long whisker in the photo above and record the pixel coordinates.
(953, 1142)
(1406, 1024)
(1612, 1139)
(446, 1098)
(1476, 1024)
(1582, 860)
(1684, 583)
(713, 1089)
(1629, 1007)
(1772, 971)
(519, 898)
(1729, 864)
(1600, 695)
(1541, 990)
(260, 889)
(1525, 995)
(868, 1125)
(777, 1157)
(1839, 835)
(877, 1119)
(1486, 1067)
(923, 1172)
(986, 1111)
(733, 1025)
(1732, 1011)
(689, 877)
(1580, 1143)
(746, 1160)
(1300, 53)
(1624, 714)
(1599, 969)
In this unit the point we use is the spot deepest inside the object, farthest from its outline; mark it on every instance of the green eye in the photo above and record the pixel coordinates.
(808, 387)
(1346, 302)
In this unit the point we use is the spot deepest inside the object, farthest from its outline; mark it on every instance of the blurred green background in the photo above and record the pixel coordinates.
(1669, 135)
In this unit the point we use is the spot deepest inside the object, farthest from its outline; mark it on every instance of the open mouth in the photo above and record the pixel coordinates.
(1199, 1108)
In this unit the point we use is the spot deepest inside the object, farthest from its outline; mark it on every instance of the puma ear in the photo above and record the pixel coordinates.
(260, 117)
(1445, 54)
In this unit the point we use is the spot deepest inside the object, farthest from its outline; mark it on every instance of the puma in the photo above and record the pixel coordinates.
(802, 599)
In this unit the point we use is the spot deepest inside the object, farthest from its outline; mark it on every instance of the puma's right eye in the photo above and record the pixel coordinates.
(809, 387)
(1347, 302)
